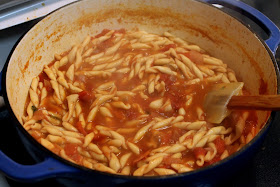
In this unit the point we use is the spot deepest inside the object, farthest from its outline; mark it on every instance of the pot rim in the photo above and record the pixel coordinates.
(208, 168)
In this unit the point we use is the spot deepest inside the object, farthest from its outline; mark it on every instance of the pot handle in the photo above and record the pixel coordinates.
(2, 103)
(256, 16)
(49, 167)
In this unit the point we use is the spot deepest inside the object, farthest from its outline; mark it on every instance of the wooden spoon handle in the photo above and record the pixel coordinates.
(261, 102)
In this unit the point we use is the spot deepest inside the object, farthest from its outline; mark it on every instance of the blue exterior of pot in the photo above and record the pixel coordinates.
(51, 166)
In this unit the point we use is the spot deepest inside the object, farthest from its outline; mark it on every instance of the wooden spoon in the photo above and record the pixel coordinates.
(225, 96)
(255, 102)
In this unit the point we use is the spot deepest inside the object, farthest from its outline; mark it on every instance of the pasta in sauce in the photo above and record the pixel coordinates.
(130, 103)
